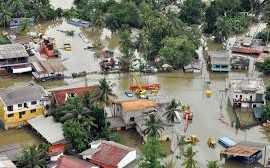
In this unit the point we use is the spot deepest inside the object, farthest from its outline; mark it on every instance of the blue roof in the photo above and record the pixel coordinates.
(227, 142)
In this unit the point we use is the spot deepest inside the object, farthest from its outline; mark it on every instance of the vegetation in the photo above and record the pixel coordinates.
(34, 156)
(264, 67)
(171, 111)
(84, 117)
(267, 94)
(151, 154)
(265, 113)
(212, 164)
(39, 9)
(192, 11)
(153, 126)
(264, 35)
(189, 160)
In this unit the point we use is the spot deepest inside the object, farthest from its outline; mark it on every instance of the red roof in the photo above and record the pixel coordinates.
(246, 50)
(72, 162)
(60, 95)
(110, 153)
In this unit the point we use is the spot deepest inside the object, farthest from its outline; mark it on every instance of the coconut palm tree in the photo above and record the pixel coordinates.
(153, 126)
(212, 164)
(33, 157)
(74, 110)
(25, 27)
(103, 94)
(171, 109)
(38, 10)
(5, 14)
(189, 155)
(181, 143)
(17, 7)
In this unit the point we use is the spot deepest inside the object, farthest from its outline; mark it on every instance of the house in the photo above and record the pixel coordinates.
(11, 151)
(247, 92)
(50, 130)
(239, 63)
(131, 108)
(248, 45)
(59, 160)
(109, 154)
(193, 67)
(19, 104)
(45, 70)
(219, 61)
(14, 58)
(17, 22)
(6, 163)
(60, 96)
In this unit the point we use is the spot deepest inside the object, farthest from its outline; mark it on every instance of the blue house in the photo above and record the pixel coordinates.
(219, 61)
(17, 22)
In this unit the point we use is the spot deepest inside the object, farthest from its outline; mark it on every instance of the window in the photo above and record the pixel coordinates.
(132, 119)
(21, 114)
(33, 111)
(236, 96)
(224, 66)
(19, 105)
(217, 66)
(9, 108)
(10, 115)
(33, 102)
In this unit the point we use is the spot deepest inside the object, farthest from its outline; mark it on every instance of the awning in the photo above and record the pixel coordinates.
(21, 69)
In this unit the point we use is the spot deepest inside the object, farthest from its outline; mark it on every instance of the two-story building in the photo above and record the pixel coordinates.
(19, 104)
(219, 61)
(247, 92)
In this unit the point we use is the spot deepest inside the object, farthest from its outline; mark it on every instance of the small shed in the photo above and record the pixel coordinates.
(219, 61)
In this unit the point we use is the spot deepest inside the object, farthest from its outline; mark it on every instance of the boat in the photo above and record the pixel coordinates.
(129, 94)
(107, 53)
(79, 23)
(67, 47)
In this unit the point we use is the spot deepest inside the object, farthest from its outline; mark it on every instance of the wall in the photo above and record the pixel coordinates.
(215, 68)
(130, 157)
(246, 97)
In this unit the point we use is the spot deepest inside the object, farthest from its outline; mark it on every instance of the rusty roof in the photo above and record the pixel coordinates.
(240, 150)
(135, 104)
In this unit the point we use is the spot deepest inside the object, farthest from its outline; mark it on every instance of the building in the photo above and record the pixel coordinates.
(219, 61)
(12, 151)
(50, 130)
(14, 58)
(239, 63)
(59, 160)
(6, 163)
(131, 108)
(19, 104)
(79, 23)
(248, 45)
(109, 154)
(60, 96)
(247, 92)
(46, 70)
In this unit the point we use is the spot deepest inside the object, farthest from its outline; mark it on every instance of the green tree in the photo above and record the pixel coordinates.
(5, 14)
(151, 154)
(103, 94)
(189, 160)
(211, 16)
(153, 126)
(34, 156)
(265, 113)
(264, 67)
(171, 110)
(267, 94)
(181, 143)
(17, 7)
(192, 11)
(77, 135)
(25, 27)
(177, 51)
(212, 164)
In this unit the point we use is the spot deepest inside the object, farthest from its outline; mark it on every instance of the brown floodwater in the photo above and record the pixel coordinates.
(186, 87)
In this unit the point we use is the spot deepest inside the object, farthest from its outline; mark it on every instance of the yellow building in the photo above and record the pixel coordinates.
(19, 104)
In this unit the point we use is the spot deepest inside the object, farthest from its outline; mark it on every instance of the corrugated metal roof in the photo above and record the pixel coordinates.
(21, 94)
(8, 51)
(136, 104)
(48, 128)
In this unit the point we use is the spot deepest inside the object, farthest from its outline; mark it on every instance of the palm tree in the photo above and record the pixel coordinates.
(5, 14)
(212, 164)
(99, 20)
(38, 10)
(181, 143)
(17, 7)
(103, 94)
(153, 126)
(189, 155)
(171, 109)
(74, 111)
(25, 27)
(33, 157)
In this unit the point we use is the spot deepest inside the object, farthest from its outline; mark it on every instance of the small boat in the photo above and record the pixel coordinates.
(146, 87)
(129, 94)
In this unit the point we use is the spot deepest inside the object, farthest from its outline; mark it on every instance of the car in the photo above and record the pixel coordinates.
(150, 69)
(67, 47)
(129, 93)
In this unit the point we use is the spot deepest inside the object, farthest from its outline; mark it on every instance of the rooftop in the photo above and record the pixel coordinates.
(12, 151)
(22, 40)
(219, 57)
(21, 94)
(61, 95)
(8, 51)
(241, 150)
(6, 163)
(48, 66)
(247, 84)
(73, 162)
(48, 129)
(135, 104)
(108, 152)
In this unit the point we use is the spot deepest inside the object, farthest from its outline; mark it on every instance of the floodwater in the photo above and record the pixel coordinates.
(188, 88)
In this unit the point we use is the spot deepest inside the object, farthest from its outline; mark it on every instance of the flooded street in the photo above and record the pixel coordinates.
(186, 87)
